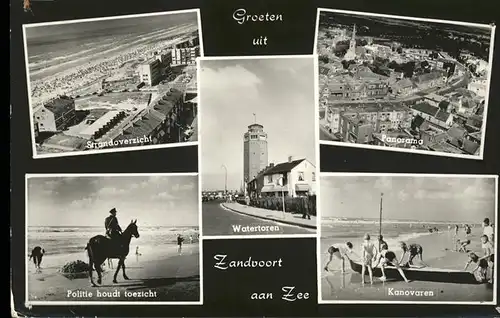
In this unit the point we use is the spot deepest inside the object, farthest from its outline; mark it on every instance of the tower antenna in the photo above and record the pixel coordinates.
(254, 118)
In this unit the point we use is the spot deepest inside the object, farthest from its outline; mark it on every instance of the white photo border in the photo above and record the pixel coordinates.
(314, 233)
(29, 303)
(35, 154)
(406, 302)
(492, 27)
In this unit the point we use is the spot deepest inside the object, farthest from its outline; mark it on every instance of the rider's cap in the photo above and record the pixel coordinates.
(112, 211)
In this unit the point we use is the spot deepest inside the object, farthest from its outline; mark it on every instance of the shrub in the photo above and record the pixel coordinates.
(292, 205)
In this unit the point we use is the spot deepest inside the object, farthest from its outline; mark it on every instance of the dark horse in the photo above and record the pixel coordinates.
(100, 248)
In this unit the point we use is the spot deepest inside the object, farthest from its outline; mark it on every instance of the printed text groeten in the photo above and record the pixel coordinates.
(241, 17)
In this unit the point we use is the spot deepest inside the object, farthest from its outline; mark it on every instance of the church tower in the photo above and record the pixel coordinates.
(351, 52)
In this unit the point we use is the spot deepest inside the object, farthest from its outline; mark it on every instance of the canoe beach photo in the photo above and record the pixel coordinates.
(396, 238)
(112, 239)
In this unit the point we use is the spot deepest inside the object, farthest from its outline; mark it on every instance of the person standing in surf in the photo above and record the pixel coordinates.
(369, 251)
(388, 258)
(467, 230)
(341, 252)
(180, 239)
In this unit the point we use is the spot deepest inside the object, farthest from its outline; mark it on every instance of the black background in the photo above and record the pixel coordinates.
(222, 36)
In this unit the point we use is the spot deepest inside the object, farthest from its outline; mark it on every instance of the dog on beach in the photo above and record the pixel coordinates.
(37, 255)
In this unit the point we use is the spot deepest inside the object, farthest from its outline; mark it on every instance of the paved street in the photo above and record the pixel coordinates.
(219, 221)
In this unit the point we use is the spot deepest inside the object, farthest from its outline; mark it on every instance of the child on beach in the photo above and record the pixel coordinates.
(381, 240)
(413, 250)
(369, 251)
(340, 252)
(488, 230)
(388, 258)
(180, 239)
(467, 230)
(489, 254)
(481, 268)
(463, 246)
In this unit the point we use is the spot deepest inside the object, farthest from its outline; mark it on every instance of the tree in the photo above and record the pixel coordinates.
(408, 69)
(393, 65)
(324, 59)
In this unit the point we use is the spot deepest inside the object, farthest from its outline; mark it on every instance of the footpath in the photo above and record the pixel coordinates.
(272, 215)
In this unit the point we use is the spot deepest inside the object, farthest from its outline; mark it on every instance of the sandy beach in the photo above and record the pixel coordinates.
(159, 275)
(438, 252)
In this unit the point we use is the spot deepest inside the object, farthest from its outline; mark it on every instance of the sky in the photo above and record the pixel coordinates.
(119, 25)
(86, 201)
(458, 199)
(280, 91)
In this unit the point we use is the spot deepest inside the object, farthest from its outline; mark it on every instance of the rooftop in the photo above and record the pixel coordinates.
(435, 97)
(164, 107)
(426, 108)
(466, 145)
(99, 123)
(444, 146)
(457, 132)
(442, 115)
(173, 95)
(283, 167)
(60, 105)
(143, 127)
(372, 107)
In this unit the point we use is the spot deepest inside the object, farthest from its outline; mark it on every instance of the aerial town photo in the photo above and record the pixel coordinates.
(115, 83)
(403, 84)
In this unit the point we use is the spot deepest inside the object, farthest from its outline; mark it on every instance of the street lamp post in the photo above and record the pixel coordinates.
(225, 181)
(281, 180)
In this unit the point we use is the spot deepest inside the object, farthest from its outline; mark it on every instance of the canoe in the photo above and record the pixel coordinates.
(428, 274)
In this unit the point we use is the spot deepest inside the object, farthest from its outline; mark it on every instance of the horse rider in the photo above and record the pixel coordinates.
(113, 229)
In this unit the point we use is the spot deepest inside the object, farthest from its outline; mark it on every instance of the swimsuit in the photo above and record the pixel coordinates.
(333, 250)
(388, 257)
(415, 249)
(369, 253)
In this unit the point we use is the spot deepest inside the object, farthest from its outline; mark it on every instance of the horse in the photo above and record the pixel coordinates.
(100, 248)
(37, 254)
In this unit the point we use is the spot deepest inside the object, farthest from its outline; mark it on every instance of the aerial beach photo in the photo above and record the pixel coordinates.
(147, 223)
(114, 83)
(403, 83)
(396, 238)
(258, 170)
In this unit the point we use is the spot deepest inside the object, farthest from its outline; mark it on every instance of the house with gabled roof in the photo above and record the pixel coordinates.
(291, 178)
(433, 114)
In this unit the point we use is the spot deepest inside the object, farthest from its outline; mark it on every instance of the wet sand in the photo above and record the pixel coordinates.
(438, 252)
(172, 276)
